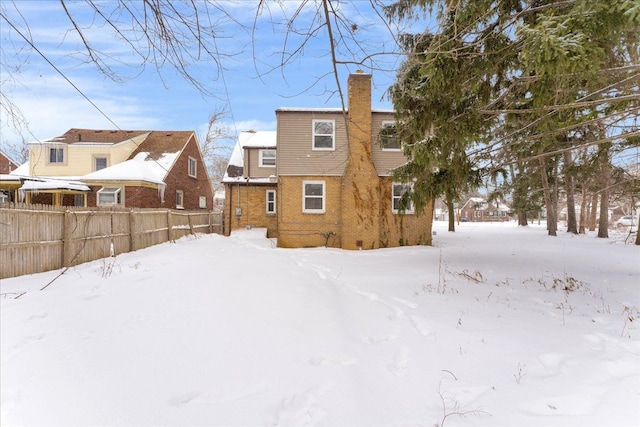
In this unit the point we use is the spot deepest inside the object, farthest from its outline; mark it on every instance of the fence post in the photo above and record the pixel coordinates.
(169, 226)
(66, 239)
(132, 231)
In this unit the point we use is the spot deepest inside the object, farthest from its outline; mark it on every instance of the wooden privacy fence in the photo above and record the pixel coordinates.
(34, 238)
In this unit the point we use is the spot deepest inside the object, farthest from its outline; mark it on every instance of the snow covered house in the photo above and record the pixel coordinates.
(251, 184)
(477, 209)
(326, 181)
(8, 184)
(139, 168)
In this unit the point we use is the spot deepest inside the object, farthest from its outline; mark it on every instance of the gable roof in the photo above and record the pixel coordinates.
(143, 167)
(74, 136)
(247, 139)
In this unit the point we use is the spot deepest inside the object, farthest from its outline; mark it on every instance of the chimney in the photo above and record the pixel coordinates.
(359, 87)
(360, 182)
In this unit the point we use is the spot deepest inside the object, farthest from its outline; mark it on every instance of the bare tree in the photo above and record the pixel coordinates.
(215, 146)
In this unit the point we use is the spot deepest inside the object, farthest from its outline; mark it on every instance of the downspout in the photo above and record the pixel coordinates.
(228, 224)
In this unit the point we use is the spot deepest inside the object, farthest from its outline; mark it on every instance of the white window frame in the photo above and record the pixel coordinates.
(116, 192)
(409, 209)
(202, 202)
(389, 123)
(192, 167)
(332, 135)
(179, 199)
(59, 148)
(322, 197)
(270, 205)
(261, 156)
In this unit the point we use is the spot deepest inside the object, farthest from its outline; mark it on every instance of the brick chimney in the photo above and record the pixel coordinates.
(360, 183)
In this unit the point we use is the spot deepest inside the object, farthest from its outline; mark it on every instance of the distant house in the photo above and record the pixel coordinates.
(251, 183)
(477, 209)
(6, 164)
(324, 179)
(144, 169)
(8, 184)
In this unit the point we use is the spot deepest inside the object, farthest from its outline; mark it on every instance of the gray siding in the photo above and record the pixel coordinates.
(384, 161)
(252, 167)
(295, 154)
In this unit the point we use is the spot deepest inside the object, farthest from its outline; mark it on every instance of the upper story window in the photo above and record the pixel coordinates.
(313, 198)
(387, 136)
(271, 202)
(109, 196)
(400, 201)
(193, 167)
(267, 158)
(99, 162)
(324, 134)
(56, 155)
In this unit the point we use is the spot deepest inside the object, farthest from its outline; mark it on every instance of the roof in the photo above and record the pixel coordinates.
(141, 168)
(73, 136)
(325, 110)
(52, 184)
(153, 142)
(258, 139)
(248, 139)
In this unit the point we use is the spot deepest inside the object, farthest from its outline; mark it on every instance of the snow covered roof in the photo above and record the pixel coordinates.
(258, 139)
(142, 167)
(52, 184)
(22, 170)
(248, 139)
(325, 110)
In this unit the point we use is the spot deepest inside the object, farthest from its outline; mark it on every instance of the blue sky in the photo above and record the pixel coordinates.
(150, 99)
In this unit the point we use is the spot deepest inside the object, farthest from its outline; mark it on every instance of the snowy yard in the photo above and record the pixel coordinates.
(494, 325)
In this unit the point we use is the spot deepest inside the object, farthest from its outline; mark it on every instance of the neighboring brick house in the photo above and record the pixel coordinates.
(6, 164)
(8, 184)
(143, 169)
(476, 209)
(333, 182)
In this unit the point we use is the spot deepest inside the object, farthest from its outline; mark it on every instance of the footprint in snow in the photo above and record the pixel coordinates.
(400, 363)
(421, 325)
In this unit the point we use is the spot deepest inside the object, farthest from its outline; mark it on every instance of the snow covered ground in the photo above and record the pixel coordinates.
(494, 325)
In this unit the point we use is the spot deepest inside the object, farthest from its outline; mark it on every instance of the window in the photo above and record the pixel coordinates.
(271, 201)
(109, 196)
(313, 196)
(387, 136)
(401, 202)
(323, 134)
(56, 155)
(179, 199)
(99, 162)
(78, 200)
(268, 158)
(202, 202)
(193, 167)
